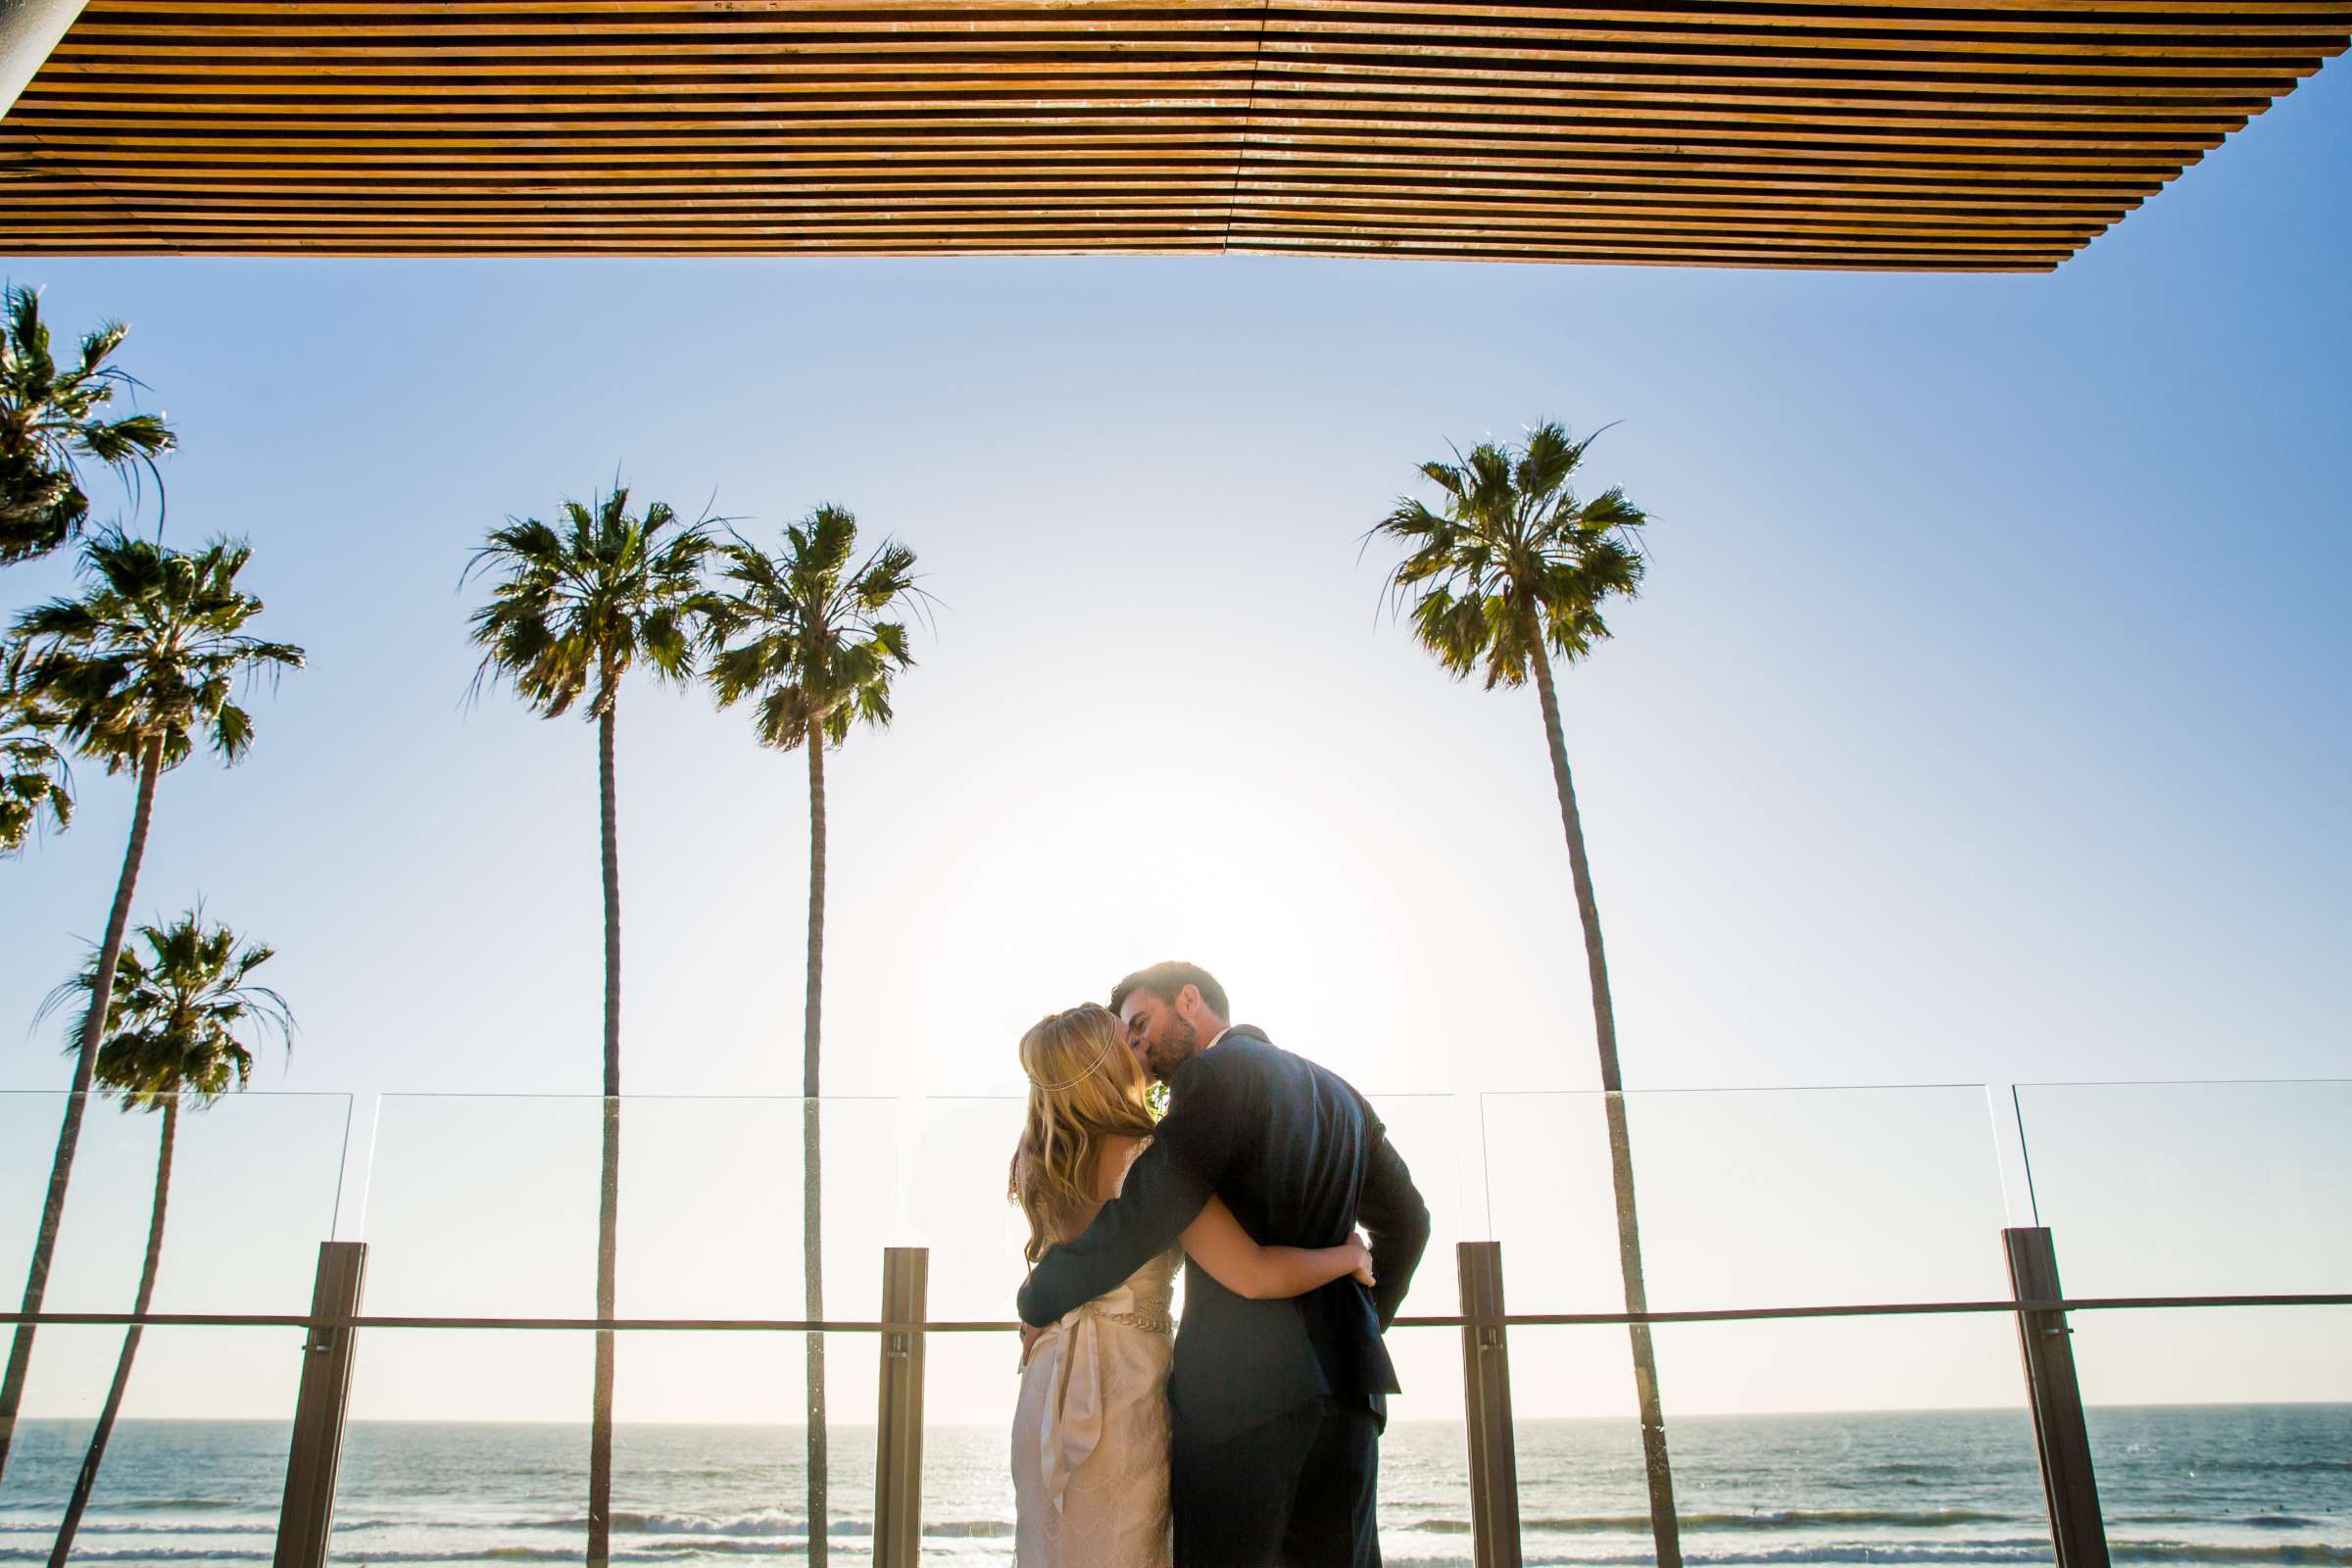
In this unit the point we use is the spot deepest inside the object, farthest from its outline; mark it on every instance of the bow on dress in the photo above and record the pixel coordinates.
(1073, 1423)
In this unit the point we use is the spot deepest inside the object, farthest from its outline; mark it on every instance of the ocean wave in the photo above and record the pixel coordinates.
(1955, 1552)
(131, 1526)
(150, 1554)
(377, 1559)
(1762, 1519)
(382, 1559)
(688, 1551)
(2337, 1467)
(2026, 1550)
(766, 1524)
(971, 1529)
(1789, 1519)
(2294, 1553)
(268, 1526)
(2039, 1553)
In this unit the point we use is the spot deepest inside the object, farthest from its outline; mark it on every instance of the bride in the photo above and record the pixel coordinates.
(1090, 1436)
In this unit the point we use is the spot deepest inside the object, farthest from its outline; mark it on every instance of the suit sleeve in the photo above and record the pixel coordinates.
(1392, 1214)
(1166, 1187)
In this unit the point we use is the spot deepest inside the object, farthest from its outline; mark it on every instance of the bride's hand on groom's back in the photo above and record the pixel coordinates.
(1362, 1272)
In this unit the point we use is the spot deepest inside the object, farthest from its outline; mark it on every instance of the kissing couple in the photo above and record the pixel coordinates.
(1252, 1437)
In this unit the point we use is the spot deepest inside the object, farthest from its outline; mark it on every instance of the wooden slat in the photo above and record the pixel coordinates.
(1939, 134)
(2069, 52)
(254, 197)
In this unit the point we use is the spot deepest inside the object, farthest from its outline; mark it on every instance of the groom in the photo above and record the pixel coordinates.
(1277, 1405)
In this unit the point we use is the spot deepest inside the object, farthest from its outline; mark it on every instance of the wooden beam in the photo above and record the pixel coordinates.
(1952, 135)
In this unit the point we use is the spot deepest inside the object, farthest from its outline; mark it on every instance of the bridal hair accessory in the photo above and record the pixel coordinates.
(1084, 1073)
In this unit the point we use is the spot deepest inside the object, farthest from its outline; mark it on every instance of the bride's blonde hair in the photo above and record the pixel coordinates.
(1085, 1085)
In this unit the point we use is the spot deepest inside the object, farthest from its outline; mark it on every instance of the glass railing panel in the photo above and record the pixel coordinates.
(2194, 1189)
(499, 1472)
(2217, 1434)
(488, 1207)
(1785, 1442)
(955, 1205)
(1750, 1198)
(1846, 1438)
(1436, 1135)
(195, 1464)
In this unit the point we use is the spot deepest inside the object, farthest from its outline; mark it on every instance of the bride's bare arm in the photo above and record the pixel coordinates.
(1110, 1168)
(1217, 1243)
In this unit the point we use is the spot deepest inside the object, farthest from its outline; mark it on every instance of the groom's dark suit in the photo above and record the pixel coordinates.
(1277, 1404)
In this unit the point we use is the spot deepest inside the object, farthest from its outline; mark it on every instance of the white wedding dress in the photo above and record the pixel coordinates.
(1090, 1436)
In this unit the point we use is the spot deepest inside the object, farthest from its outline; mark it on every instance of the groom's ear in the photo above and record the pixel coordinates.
(1187, 1000)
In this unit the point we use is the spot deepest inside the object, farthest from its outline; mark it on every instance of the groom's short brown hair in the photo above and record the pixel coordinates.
(1164, 980)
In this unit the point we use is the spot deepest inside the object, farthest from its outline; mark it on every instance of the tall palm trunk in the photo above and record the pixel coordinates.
(1664, 1528)
(812, 1248)
(96, 1454)
(607, 1217)
(69, 1134)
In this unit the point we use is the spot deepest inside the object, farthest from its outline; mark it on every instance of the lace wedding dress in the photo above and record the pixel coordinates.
(1090, 1436)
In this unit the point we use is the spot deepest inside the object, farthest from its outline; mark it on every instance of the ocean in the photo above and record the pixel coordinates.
(2226, 1486)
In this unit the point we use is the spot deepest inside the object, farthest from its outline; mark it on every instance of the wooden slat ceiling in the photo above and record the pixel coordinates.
(1988, 135)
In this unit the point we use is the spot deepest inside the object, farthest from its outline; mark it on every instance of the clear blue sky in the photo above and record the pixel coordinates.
(1984, 719)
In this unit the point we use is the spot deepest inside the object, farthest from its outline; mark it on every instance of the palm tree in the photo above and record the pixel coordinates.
(172, 1031)
(1514, 571)
(34, 782)
(805, 631)
(572, 612)
(51, 419)
(134, 674)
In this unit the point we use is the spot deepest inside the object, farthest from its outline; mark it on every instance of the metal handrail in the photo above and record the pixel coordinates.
(729, 1325)
(2037, 1304)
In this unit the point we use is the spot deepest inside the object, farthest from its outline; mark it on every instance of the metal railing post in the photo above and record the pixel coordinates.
(1487, 1404)
(2077, 1529)
(899, 1427)
(305, 1517)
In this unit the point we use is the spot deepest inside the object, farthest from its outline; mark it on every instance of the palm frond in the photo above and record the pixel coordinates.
(573, 608)
(53, 419)
(1509, 563)
(151, 652)
(805, 630)
(182, 1015)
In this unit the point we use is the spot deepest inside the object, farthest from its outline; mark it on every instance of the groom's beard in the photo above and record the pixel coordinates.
(1180, 1045)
